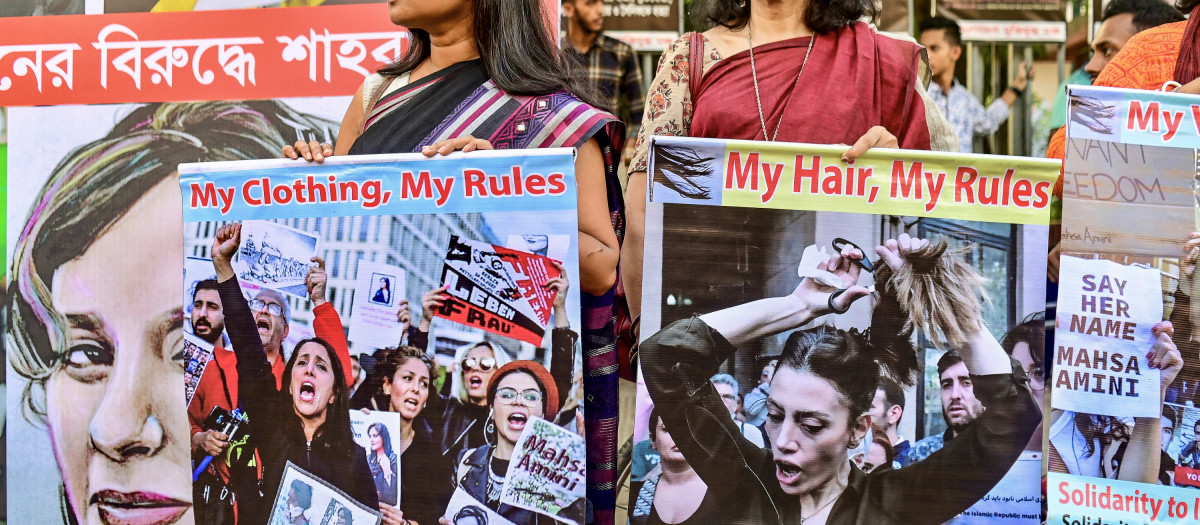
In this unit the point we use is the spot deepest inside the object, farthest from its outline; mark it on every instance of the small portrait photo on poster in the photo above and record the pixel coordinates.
(383, 294)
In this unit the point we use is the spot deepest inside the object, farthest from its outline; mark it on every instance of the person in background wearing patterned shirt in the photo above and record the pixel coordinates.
(966, 114)
(611, 65)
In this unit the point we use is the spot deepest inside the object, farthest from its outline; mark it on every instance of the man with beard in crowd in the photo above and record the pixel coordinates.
(218, 386)
(959, 407)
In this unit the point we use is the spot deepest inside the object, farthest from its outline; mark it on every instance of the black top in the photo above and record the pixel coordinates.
(425, 477)
(277, 432)
(678, 362)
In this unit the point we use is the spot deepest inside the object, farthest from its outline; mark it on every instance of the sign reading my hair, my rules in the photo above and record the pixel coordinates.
(1106, 312)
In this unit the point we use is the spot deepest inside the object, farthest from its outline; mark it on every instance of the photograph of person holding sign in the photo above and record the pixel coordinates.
(307, 420)
(488, 75)
(518, 392)
(823, 388)
(424, 482)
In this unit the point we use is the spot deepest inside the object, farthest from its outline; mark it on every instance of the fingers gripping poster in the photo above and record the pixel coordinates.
(1124, 368)
(416, 404)
(887, 313)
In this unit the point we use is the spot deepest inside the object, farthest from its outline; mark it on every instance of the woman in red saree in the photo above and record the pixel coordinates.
(784, 70)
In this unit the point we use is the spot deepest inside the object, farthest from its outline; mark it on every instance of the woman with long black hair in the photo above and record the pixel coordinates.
(307, 421)
(822, 391)
(383, 461)
(487, 74)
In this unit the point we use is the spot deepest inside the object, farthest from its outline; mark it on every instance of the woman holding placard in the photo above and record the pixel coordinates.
(307, 420)
(520, 391)
(424, 484)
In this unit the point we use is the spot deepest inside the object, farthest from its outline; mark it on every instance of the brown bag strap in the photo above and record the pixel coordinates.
(695, 63)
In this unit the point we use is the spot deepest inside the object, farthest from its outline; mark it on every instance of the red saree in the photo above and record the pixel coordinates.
(855, 79)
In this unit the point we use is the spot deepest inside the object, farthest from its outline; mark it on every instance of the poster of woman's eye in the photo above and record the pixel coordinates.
(860, 344)
(378, 434)
(99, 198)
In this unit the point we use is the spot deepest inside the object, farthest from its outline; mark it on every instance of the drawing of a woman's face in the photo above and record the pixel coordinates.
(114, 408)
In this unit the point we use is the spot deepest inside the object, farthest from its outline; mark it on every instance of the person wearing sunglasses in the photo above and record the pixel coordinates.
(517, 392)
(465, 412)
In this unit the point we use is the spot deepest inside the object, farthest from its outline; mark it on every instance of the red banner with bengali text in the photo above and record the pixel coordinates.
(201, 55)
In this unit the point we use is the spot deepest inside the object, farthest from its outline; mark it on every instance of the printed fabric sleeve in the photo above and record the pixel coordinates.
(632, 90)
(677, 363)
(989, 120)
(256, 383)
(968, 466)
(668, 102)
(327, 325)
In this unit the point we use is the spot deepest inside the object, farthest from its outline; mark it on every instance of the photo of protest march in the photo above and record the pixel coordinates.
(484, 344)
(275, 257)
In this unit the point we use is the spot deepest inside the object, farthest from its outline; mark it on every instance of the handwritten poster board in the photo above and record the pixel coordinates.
(1106, 183)
(1106, 311)
(546, 472)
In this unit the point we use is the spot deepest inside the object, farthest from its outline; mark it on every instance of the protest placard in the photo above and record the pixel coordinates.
(1016, 499)
(378, 433)
(744, 281)
(385, 224)
(1129, 207)
(1083, 500)
(196, 354)
(546, 472)
(305, 498)
(465, 510)
(497, 289)
(378, 296)
(1106, 311)
(275, 256)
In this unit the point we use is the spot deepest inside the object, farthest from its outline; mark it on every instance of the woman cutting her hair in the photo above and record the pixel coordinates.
(823, 389)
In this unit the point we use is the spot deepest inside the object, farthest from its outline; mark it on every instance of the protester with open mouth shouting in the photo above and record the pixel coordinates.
(518, 391)
(466, 412)
(823, 388)
(424, 472)
(307, 421)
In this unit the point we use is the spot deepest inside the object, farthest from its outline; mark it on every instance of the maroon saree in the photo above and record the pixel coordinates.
(855, 79)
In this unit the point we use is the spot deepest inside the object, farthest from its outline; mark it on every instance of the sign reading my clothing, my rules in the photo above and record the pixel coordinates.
(381, 184)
